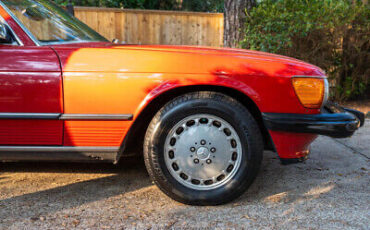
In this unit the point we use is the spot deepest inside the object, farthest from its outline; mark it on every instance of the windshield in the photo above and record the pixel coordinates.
(50, 24)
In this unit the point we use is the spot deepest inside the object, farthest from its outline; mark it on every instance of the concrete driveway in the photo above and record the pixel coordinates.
(330, 190)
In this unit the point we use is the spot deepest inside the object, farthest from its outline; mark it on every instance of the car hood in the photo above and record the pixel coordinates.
(179, 59)
(214, 51)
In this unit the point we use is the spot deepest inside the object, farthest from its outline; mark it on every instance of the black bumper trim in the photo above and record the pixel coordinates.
(338, 125)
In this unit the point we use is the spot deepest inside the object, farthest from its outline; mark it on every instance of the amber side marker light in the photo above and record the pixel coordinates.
(310, 91)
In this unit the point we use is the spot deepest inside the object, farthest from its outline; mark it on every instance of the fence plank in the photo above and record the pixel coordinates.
(155, 27)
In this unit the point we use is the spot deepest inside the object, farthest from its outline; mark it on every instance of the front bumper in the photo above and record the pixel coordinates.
(334, 121)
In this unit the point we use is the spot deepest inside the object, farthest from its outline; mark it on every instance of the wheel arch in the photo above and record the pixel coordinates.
(135, 136)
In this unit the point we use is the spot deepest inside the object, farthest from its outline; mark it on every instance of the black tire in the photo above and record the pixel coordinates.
(216, 104)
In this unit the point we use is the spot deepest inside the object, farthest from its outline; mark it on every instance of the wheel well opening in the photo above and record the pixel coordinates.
(133, 142)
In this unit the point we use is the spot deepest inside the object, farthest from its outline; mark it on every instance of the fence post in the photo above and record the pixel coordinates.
(70, 8)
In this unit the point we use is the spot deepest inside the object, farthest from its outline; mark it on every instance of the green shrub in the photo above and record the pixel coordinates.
(333, 34)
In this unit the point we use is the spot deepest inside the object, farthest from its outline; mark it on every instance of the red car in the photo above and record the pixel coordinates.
(201, 116)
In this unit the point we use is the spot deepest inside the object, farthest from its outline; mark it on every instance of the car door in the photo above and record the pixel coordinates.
(30, 96)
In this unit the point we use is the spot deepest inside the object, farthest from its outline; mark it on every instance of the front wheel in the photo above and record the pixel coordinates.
(203, 148)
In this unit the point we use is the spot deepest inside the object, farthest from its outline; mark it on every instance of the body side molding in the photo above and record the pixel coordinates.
(26, 116)
(77, 149)
(71, 116)
(125, 117)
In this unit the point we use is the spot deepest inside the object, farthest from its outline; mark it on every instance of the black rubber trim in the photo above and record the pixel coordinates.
(58, 153)
(339, 125)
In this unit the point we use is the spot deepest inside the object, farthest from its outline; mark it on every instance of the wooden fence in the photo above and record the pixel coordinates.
(155, 27)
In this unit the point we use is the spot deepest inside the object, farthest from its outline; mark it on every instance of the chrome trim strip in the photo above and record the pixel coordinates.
(71, 116)
(41, 116)
(78, 149)
(326, 93)
(20, 43)
(20, 24)
(96, 117)
(68, 42)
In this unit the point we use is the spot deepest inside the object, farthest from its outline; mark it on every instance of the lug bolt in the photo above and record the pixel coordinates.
(213, 149)
(196, 161)
(192, 149)
(208, 161)
(202, 142)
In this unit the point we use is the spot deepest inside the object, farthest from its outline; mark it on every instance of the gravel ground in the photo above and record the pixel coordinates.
(330, 190)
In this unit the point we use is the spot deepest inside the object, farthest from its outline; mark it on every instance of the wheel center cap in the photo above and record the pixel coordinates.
(202, 153)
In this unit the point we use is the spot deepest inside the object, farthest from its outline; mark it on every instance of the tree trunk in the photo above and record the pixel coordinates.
(234, 20)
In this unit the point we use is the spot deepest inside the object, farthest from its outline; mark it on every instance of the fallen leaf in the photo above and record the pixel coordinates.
(76, 222)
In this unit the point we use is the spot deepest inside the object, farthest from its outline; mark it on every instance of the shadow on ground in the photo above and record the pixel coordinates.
(112, 180)
(332, 184)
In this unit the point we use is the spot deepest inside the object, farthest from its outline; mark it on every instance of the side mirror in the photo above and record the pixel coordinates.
(3, 33)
